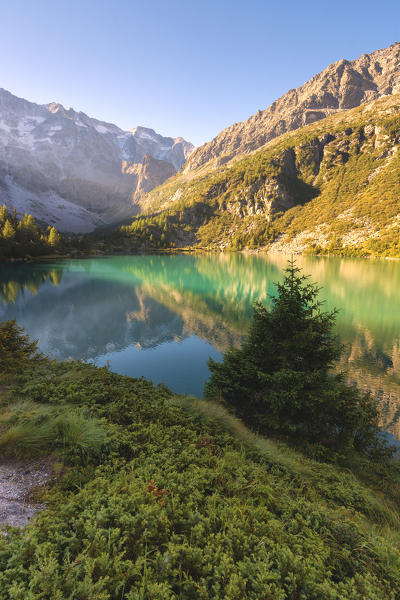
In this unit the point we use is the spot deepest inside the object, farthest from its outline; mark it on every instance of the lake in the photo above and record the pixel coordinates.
(161, 317)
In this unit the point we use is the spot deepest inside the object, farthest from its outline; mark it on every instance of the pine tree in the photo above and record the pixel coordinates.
(8, 232)
(28, 223)
(27, 230)
(15, 346)
(281, 380)
(54, 238)
(4, 215)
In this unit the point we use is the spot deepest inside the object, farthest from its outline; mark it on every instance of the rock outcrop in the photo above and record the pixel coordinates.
(147, 174)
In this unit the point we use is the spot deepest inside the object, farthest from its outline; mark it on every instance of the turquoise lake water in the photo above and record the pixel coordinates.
(161, 317)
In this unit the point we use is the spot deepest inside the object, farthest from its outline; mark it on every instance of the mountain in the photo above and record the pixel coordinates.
(331, 186)
(343, 85)
(76, 172)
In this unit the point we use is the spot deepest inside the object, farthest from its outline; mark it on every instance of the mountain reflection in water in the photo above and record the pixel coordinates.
(162, 316)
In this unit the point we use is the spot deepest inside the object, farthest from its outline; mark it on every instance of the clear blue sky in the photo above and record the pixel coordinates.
(182, 67)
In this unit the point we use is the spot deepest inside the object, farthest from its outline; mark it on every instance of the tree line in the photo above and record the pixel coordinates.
(22, 236)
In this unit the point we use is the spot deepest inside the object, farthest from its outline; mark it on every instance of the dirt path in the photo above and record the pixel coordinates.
(17, 480)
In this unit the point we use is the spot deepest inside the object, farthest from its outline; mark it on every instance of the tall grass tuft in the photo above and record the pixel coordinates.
(42, 430)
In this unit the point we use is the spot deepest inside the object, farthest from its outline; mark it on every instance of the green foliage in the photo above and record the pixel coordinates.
(281, 381)
(15, 347)
(40, 428)
(182, 501)
(392, 124)
(166, 230)
(23, 237)
(54, 238)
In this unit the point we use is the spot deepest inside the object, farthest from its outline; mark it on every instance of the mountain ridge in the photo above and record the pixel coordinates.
(343, 84)
(76, 172)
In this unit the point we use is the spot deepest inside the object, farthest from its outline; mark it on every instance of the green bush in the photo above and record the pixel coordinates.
(183, 501)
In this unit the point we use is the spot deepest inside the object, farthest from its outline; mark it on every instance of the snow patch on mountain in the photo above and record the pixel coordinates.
(76, 172)
(49, 208)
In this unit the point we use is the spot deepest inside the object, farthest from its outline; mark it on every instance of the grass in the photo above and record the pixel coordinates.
(29, 428)
(384, 511)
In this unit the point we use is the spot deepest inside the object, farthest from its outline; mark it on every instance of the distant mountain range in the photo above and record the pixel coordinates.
(318, 168)
(76, 172)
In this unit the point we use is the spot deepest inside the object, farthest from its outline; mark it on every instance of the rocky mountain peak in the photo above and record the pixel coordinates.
(55, 107)
(342, 85)
(76, 172)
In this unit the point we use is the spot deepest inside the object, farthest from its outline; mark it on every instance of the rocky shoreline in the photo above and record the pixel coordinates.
(18, 480)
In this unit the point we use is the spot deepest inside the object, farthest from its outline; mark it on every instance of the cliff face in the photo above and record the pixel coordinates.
(342, 85)
(147, 174)
(76, 172)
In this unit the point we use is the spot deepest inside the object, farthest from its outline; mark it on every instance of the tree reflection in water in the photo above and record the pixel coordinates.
(115, 308)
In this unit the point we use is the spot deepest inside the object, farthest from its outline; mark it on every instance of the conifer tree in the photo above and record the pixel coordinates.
(3, 214)
(27, 229)
(8, 232)
(281, 380)
(15, 346)
(54, 238)
(29, 224)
